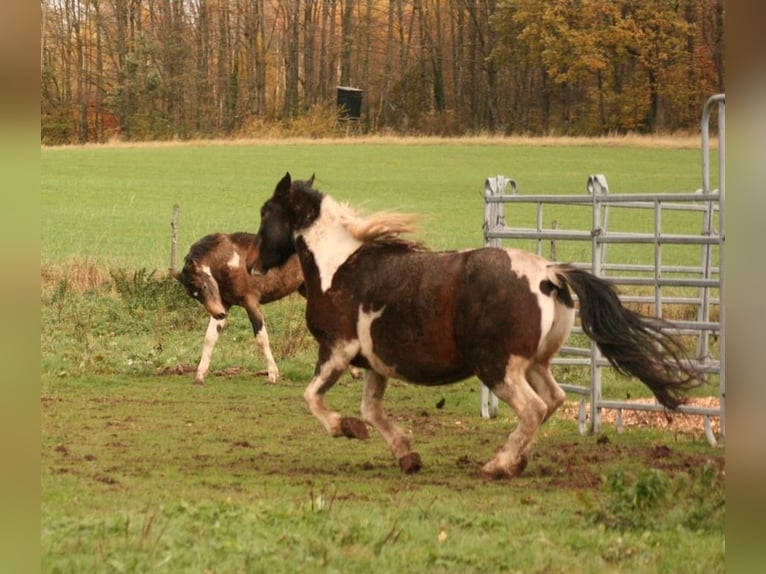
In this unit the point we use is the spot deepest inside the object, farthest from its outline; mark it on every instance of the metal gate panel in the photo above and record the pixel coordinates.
(699, 286)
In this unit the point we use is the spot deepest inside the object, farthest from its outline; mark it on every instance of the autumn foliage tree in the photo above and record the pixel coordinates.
(161, 69)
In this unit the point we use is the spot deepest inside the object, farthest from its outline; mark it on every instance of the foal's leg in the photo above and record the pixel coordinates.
(541, 379)
(262, 338)
(329, 368)
(531, 410)
(372, 412)
(214, 328)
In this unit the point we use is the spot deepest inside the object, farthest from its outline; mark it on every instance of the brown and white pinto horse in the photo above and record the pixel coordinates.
(381, 302)
(216, 273)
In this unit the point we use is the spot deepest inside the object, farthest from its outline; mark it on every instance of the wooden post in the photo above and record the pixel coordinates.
(174, 238)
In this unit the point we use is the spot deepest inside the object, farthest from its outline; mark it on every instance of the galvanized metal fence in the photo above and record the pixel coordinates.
(660, 278)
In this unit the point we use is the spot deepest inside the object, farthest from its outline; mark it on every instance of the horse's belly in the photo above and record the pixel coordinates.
(422, 369)
(417, 352)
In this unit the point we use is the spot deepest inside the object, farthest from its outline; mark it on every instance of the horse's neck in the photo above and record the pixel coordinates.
(331, 244)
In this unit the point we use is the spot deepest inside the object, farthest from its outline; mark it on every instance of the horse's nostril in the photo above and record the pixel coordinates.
(221, 316)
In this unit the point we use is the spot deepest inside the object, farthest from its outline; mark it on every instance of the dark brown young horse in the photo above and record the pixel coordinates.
(216, 273)
(381, 302)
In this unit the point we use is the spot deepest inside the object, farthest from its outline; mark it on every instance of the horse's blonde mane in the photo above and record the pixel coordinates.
(385, 227)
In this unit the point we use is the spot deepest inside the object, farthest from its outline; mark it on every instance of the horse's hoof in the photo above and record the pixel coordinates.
(353, 428)
(410, 463)
(493, 471)
(199, 382)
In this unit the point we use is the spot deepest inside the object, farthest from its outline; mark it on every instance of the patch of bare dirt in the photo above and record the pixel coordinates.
(185, 369)
(676, 422)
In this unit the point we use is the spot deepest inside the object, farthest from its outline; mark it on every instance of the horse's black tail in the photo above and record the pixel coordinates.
(634, 344)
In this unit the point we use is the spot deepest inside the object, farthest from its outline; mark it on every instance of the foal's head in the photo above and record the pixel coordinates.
(200, 285)
(292, 207)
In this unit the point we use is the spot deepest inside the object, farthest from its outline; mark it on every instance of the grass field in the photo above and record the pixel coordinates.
(143, 472)
(113, 206)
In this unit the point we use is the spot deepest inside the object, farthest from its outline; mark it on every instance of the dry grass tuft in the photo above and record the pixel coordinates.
(309, 134)
(79, 275)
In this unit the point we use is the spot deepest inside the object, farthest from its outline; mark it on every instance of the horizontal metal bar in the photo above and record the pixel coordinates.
(639, 199)
(661, 239)
(580, 351)
(601, 237)
(664, 269)
(662, 282)
(665, 300)
(707, 366)
(575, 389)
(508, 233)
(623, 405)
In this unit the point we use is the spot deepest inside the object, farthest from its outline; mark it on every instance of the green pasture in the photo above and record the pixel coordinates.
(112, 206)
(141, 471)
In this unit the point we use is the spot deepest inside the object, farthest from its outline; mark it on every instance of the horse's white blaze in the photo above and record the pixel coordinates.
(206, 270)
(329, 240)
(364, 332)
(235, 261)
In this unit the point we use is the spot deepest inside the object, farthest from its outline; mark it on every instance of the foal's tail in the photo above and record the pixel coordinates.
(634, 344)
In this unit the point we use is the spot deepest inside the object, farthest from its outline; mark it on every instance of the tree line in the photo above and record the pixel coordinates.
(162, 69)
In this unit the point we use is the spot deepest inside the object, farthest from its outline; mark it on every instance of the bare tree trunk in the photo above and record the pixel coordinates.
(310, 95)
(347, 37)
(388, 66)
(458, 61)
(291, 44)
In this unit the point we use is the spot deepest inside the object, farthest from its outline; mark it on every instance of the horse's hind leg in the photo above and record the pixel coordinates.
(531, 411)
(372, 412)
(214, 328)
(541, 379)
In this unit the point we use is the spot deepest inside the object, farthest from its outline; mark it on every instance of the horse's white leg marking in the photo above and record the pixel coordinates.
(262, 338)
(372, 412)
(214, 327)
(326, 376)
(531, 410)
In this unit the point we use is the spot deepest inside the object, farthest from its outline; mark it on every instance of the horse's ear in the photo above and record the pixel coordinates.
(310, 181)
(283, 187)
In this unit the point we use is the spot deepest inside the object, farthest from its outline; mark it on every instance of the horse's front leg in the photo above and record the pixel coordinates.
(262, 338)
(214, 328)
(329, 368)
(372, 412)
